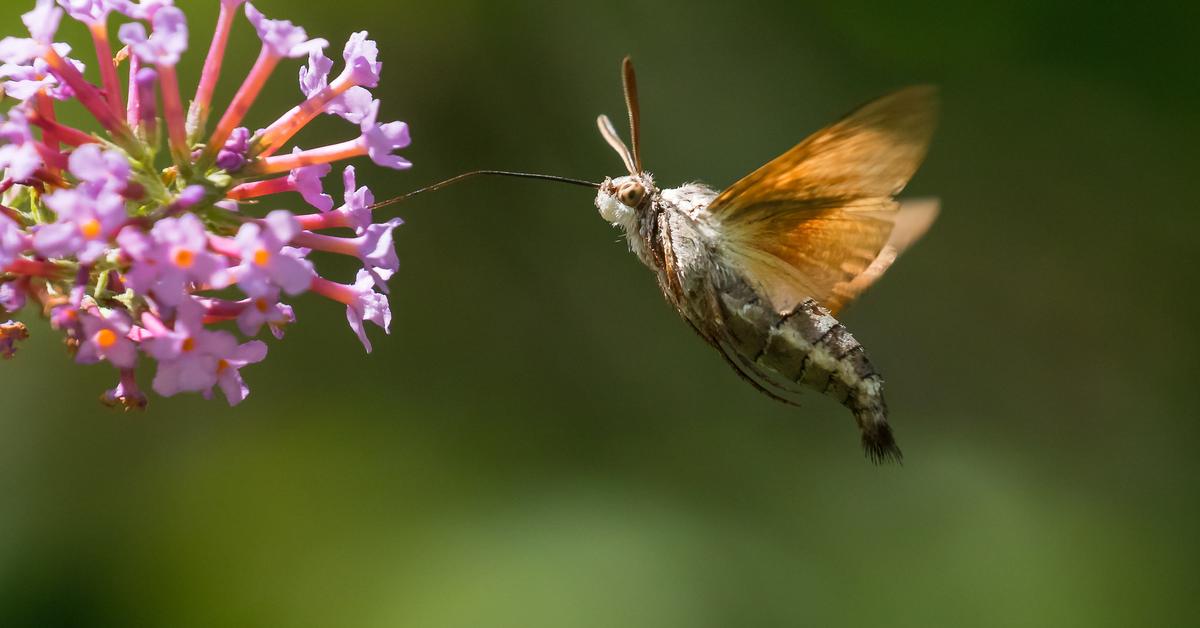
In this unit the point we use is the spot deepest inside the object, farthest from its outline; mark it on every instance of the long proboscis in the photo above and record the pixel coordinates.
(475, 173)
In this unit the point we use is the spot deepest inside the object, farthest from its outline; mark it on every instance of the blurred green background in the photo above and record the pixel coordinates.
(540, 442)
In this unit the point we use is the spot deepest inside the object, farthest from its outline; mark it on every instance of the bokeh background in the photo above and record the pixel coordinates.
(540, 442)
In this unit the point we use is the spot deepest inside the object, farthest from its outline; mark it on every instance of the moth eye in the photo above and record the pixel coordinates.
(631, 194)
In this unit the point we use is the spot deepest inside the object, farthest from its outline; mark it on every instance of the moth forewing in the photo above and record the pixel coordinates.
(871, 153)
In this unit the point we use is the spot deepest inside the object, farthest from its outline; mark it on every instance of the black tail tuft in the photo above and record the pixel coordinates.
(880, 446)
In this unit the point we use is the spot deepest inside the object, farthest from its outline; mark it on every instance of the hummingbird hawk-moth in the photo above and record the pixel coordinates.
(760, 270)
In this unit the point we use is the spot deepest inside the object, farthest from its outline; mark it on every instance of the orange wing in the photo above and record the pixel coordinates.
(819, 221)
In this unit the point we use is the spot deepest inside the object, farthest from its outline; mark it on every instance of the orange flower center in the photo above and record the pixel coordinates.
(184, 258)
(261, 257)
(90, 228)
(189, 344)
(221, 366)
(261, 305)
(105, 338)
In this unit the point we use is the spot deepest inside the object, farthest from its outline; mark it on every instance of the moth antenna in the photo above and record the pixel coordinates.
(609, 132)
(475, 173)
(629, 81)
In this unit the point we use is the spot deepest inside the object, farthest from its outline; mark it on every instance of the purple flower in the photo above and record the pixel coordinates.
(382, 139)
(88, 217)
(171, 257)
(353, 105)
(232, 156)
(188, 353)
(43, 21)
(194, 359)
(362, 60)
(126, 395)
(13, 241)
(378, 251)
(90, 213)
(266, 262)
(307, 180)
(144, 10)
(368, 305)
(65, 318)
(12, 296)
(229, 376)
(191, 196)
(19, 50)
(314, 77)
(87, 11)
(106, 337)
(266, 310)
(180, 339)
(18, 152)
(281, 37)
(106, 168)
(165, 44)
(127, 259)
(358, 201)
(27, 75)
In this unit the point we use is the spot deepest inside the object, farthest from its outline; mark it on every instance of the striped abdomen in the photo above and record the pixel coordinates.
(808, 347)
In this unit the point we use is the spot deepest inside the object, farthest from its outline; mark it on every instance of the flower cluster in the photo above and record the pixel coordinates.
(141, 248)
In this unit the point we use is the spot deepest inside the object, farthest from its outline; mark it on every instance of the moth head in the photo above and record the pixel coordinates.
(622, 199)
